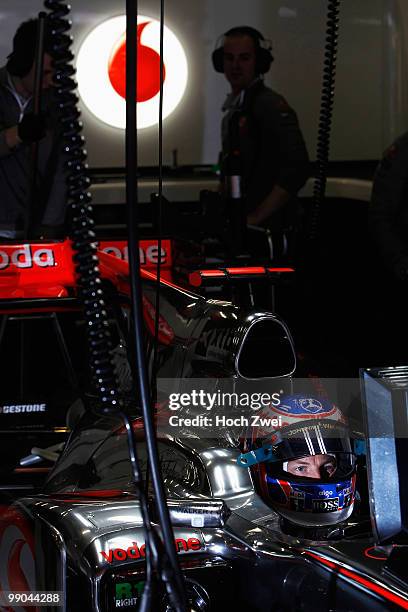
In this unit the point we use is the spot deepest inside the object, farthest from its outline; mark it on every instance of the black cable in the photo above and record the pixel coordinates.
(38, 77)
(153, 378)
(160, 212)
(152, 555)
(325, 120)
(174, 580)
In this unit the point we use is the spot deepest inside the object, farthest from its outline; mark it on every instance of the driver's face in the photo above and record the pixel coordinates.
(315, 466)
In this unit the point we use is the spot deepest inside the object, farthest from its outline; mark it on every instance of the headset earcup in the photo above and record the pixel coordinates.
(264, 57)
(218, 59)
(263, 61)
(19, 64)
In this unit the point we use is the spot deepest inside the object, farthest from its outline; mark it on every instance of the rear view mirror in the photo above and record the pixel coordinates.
(385, 412)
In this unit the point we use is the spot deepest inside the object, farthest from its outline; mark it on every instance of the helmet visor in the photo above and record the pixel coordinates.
(319, 468)
(318, 451)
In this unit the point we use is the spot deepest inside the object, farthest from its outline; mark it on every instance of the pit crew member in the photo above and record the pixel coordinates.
(19, 129)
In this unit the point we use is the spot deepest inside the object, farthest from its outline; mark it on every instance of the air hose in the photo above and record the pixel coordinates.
(325, 119)
(80, 210)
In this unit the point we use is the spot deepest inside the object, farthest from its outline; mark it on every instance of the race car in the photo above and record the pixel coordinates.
(77, 535)
(44, 348)
(311, 547)
(268, 514)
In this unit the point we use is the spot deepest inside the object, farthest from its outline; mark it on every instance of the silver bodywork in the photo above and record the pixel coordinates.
(229, 526)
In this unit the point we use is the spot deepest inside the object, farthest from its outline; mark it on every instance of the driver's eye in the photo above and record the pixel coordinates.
(301, 468)
(329, 468)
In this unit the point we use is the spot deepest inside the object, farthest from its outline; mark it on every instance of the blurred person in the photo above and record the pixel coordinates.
(19, 129)
(388, 228)
(260, 132)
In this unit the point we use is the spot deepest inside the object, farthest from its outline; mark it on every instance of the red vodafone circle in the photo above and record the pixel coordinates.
(17, 554)
(17, 579)
(101, 74)
(148, 68)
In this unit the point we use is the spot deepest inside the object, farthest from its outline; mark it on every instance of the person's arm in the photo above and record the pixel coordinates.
(31, 129)
(9, 140)
(9, 111)
(283, 141)
(273, 202)
(11, 137)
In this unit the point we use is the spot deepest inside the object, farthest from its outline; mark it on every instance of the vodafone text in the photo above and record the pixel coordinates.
(148, 255)
(27, 257)
(139, 552)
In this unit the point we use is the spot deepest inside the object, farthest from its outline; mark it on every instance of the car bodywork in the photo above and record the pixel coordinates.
(233, 549)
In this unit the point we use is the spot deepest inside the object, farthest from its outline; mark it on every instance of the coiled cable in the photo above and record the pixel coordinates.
(80, 210)
(326, 113)
(86, 261)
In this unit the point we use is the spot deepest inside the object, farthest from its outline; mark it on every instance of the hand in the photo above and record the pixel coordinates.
(32, 128)
(252, 219)
(273, 202)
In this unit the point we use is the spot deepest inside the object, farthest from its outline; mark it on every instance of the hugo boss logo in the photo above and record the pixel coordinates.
(326, 505)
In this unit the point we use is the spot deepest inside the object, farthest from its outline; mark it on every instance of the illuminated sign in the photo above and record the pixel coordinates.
(101, 71)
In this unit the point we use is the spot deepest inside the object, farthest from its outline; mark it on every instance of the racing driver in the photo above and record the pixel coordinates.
(306, 470)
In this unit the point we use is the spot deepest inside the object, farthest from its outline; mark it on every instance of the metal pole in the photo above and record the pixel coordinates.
(38, 77)
(139, 369)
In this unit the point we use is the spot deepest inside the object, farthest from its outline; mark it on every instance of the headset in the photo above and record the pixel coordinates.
(263, 48)
(21, 59)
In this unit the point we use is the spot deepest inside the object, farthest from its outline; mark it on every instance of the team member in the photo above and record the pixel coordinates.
(388, 224)
(262, 129)
(19, 129)
(388, 212)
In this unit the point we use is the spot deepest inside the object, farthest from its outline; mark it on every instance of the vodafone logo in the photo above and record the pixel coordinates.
(17, 567)
(101, 71)
(148, 252)
(138, 552)
(27, 257)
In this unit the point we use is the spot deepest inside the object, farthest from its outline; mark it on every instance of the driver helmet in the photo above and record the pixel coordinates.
(302, 461)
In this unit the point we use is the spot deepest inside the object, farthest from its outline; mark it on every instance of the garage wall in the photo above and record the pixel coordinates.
(370, 106)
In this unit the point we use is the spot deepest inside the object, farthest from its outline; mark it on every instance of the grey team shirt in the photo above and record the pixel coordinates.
(271, 143)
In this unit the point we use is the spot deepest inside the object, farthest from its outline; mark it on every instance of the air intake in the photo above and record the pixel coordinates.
(266, 350)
